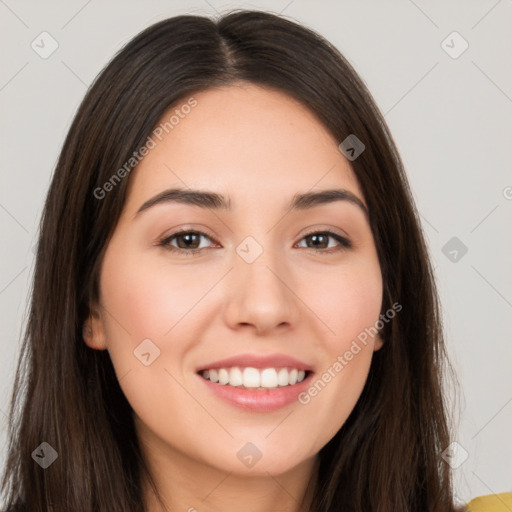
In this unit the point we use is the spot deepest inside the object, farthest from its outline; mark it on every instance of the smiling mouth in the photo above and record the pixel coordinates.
(255, 379)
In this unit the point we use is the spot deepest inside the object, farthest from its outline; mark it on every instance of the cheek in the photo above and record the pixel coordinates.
(348, 300)
(147, 297)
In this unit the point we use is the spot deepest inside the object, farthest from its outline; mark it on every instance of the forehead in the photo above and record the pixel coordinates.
(245, 141)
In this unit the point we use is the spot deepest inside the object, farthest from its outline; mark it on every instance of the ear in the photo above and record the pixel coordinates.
(94, 330)
(379, 342)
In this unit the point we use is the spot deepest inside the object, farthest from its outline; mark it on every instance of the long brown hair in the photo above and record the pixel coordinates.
(387, 455)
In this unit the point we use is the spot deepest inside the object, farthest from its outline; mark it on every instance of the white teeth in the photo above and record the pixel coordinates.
(254, 378)
(251, 378)
(282, 377)
(223, 376)
(235, 377)
(269, 378)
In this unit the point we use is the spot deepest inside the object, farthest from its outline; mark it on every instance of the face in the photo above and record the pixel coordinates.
(283, 288)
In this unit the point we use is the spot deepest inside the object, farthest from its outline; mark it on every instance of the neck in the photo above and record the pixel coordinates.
(187, 484)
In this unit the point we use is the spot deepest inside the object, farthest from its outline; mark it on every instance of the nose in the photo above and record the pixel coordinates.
(260, 295)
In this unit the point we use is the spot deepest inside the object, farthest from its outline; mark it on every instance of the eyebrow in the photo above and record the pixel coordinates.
(215, 201)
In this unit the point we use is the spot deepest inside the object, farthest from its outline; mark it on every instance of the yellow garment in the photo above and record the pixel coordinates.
(491, 503)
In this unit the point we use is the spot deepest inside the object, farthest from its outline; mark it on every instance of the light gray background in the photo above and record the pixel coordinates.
(450, 117)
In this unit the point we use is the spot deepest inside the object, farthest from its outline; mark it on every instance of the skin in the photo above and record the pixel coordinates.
(258, 147)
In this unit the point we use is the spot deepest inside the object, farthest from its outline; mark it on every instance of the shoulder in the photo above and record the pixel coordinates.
(491, 503)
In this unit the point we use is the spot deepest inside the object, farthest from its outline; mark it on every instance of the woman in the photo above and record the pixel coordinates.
(233, 304)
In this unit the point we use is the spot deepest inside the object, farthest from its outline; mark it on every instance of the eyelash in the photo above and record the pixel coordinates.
(344, 242)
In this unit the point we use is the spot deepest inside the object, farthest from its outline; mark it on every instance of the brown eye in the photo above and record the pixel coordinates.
(321, 240)
(188, 242)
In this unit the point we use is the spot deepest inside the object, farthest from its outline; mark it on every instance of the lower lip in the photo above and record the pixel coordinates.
(258, 401)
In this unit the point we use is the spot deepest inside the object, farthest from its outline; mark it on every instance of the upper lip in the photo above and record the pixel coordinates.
(257, 361)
